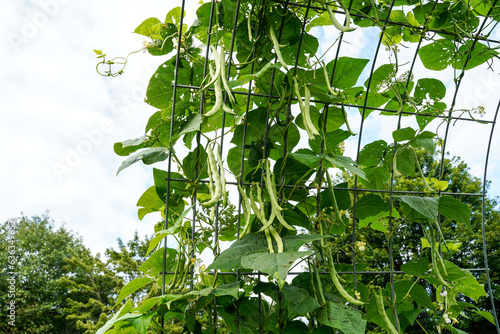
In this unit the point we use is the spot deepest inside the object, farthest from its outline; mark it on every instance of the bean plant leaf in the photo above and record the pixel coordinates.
(431, 87)
(148, 156)
(426, 206)
(405, 162)
(437, 55)
(347, 163)
(403, 134)
(452, 208)
(372, 154)
(141, 324)
(412, 291)
(298, 301)
(231, 258)
(472, 54)
(469, 286)
(370, 205)
(294, 242)
(149, 27)
(342, 317)
(154, 264)
(275, 264)
(416, 267)
(347, 71)
(230, 289)
(132, 287)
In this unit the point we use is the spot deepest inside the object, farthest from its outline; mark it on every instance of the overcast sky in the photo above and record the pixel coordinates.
(59, 118)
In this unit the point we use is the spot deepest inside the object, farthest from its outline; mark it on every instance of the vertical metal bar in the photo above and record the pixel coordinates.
(483, 223)
(169, 160)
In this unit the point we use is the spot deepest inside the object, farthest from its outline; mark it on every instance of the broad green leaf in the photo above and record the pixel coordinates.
(485, 314)
(295, 327)
(439, 185)
(147, 304)
(397, 16)
(416, 267)
(295, 217)
(469, 286)
(174, 16)
(410, 17)
(454, 273)
(370, 205)
(148, 156)
(298, 301)
(433, 88)
(292, 243)
(310, 159)
(159, 93)
(154, 264)
(230, 289)
(341, 161)
(321, 20)
(377, 178)
(275, 264)
(407, 316)
(371, 154)
(380, 78)
(380, 225)
(426, 206)
(405, 162)
(231, 258)
(149, 27)
(403, 134)
(342, 317)
(378, 219)
(426, 143)
(331, 142)
(142, 323)
(438, 54)
(391, 36)
(468, 57)
(342, 197)
(415, 292)
(452, 208)
(150, 200)
(126, 147)
(191, 125)
(132, 287)
(347, 71)
(194, 160)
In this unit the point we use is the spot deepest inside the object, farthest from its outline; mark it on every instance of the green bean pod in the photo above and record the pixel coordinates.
(334, 20)
(381, 311)
(277, 48)
(217, 181)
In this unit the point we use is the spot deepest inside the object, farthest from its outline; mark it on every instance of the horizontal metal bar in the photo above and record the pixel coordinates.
(376, 272)
(349, 105)
(401, 192)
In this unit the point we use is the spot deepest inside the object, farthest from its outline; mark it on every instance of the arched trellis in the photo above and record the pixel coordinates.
(187, 90)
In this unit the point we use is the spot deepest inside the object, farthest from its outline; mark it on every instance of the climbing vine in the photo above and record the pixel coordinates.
(251, 127)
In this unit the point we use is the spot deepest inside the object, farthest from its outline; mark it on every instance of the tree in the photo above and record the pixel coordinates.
(61, 287)
(92, 289)
(40, 299)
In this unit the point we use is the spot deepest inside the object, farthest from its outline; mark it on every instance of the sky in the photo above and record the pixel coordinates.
(59, 119)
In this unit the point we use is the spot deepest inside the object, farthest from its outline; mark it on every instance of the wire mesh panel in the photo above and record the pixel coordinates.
(309, 181)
